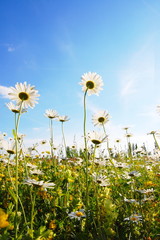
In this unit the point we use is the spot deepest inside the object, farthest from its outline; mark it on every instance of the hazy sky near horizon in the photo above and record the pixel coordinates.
(51, 43)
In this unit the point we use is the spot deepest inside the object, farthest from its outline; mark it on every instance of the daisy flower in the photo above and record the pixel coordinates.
(43, 142)
(63, 118)
(101, 180)
(92, 83)
(24, 93)
(134, 174)
(15, 108)
(134, 218)
(50, 113)
(36, 172)
(145, 191)
(97, 138)
(9, 146)
(77, 215)
(100, 118)
(36, 183)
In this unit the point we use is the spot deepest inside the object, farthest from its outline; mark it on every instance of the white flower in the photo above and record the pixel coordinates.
(134, 174)
(145, 191)
(9, 146)
(50, 113)
(43, 142)
(100, 162)
(36, 172)
(134, 218)
(39, 183)
(96, 137)
(15, 108)
(100, 118)
(24, 93)
(92, 82)
(63, 118)
(130, 200)
(77, 215)
(31, 165)
(101, 180)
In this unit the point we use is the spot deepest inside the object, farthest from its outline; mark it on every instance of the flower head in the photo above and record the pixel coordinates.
(15, 108)
(97, 138)
(101, 180)
(63, 118)
(42, 184)
(100, 118)
(50, 113)
(77, 215)
(9, 146)
(134, 218)
(24, 93)
(92, 83)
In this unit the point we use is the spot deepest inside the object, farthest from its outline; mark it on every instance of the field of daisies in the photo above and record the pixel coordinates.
(77, 193)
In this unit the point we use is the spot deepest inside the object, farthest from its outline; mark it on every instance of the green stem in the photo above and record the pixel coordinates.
(107, 141)
(51, 139)
(86, 161)
(17, 166)
(33, 198)
(64, 142)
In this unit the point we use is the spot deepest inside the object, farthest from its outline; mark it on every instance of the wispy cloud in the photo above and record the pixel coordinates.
(11, 49)
(4, 92)
(139, 74)
(9, 46)
(128, 88)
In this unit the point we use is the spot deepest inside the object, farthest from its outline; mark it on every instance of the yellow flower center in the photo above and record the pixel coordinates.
(23, 96)
(15, 111)
(11, 151)
(90, 85)
(101, 119)
(96, 141)
(79, 214)
(134, 218)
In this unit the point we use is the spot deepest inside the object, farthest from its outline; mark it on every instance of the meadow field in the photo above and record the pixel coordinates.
(95, 192)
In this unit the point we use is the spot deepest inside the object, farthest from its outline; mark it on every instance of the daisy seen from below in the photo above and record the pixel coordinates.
(9, 146)
(15, 108)
(96, 137)
(50, 113)
(92, 83)
(24, 94)
(100, 118)
(63, 118)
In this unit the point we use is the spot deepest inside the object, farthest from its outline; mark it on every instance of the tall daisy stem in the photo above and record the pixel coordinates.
(107, 141)
(51, 139)
(86, 160)
(17, 168)
(64, 141)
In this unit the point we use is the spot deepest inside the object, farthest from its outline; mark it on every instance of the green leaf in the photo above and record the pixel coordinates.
(14, 133)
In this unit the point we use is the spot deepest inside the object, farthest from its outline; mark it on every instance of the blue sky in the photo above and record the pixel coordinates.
(51, 43)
